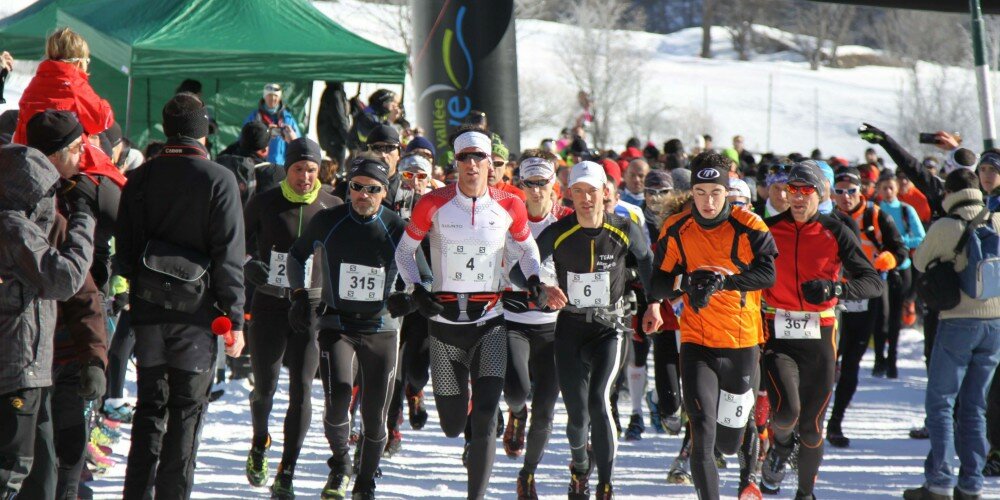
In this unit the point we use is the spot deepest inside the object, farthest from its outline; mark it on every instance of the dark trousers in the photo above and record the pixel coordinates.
(119, 352)
(855, 330)
(414, 365)
(26, 444)
(900, 283)
(175, 376)
(70, 426)
(531, 359)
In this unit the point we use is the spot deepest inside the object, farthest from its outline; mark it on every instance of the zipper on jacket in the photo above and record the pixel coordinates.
(473, 212)
(300, 222)
(798, 289)
(593, 250)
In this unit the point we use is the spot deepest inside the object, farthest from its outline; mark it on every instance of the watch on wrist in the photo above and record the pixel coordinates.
(838, 289)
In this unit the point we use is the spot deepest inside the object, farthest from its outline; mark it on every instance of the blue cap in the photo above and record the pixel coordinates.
(421, 142)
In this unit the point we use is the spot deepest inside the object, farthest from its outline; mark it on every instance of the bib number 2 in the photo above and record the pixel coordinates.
(278, 274)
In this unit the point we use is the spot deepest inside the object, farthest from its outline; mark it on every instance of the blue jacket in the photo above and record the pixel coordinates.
(276, 148)
(913, 233)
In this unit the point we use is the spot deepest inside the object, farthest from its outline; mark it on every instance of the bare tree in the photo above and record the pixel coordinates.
(646, 119)
(707, 19)
(939, 98)
(739, 18)
(913, 36)
(820, 29)
(541, 104)
(599, 63)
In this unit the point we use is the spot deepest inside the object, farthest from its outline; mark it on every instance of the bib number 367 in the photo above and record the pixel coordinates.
(734, 409)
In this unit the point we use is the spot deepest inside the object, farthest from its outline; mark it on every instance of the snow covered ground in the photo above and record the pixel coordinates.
(881, 462)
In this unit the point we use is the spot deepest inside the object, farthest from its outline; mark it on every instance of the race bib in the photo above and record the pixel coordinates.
(361, 283)
(589, 289)
(735, 409)
(278, 273)
(855, 306)
(469, 264)
(794, 325)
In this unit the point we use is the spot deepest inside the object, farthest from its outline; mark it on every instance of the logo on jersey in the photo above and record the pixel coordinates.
(708, 174)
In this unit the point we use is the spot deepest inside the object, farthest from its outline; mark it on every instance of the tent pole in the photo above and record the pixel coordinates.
(982, 76)
(128, 106)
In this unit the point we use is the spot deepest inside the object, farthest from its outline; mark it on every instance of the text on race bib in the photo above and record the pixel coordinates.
(795, 325)
(278, 273)
(735, 409)
(589, 289)
(361, 283)
(855, 306)
(469, 264)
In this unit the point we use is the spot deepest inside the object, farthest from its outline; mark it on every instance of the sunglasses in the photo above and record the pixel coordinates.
(499, 164)
(656, 192)
(805, 190)
(738, 203)
(373, 189)
(536, 184)
(845, 191)
(476, 156)
(410, 175)
(383, 148)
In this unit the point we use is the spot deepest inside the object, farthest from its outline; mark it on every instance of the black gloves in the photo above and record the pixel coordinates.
(119, 303)
(92, 382)
(700, 285)
(426, 303)
(300, 315)
(256, 272)
(400, 304)
(871, 133)
(820, 291)
(78, 194)
(536, 291)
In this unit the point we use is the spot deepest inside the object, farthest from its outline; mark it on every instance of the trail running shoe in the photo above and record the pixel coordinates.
(282, 487)
(992, 467)
(635, 428)
(579, 487)
(604, 492)
(363, 492)
(513, 435)
(526, 486)
(654, 413)
(678, 472)
(393, 444)
(336, 486)
(256, 468)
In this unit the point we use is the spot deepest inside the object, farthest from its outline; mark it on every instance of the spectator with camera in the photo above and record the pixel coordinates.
(281, 125)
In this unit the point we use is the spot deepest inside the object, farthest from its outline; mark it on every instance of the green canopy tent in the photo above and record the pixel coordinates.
(141, 51)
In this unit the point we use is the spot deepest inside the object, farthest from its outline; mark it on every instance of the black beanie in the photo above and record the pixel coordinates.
(185, 115)
(710, 167)
(673, 146)
(383, 133)
(368, 167)
(254, 137)
(848, 174)
(51, 130)
(300, 149)
(114, 134)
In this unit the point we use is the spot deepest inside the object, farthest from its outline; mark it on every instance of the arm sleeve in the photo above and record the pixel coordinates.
(667, 266)
(227, 248)
(864, 282)
(409, 244)
(83, 315)
(761, 273)
(639, 247)
(921, 178)
(95, 114)
(891, 240)
(545, 245)
(57, 273)
(916, 234)
(520, 238)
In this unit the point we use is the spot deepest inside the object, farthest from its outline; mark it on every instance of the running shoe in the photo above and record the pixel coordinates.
(992, 467)
(500, 426)
(418, 413)
(121, 413)
(672, 424)
(920, 433)
(579, 487)
(393, 444)
(922, 493)
(909, 313)
(363, 492)
(282, 487)
(256, 468)
(804, 496)
(635, 428)
(750, 492)
(720, 460)
(513, 435)
(958, 494)
(526, 486)
(773, 472)
(654, 413)
(678, 472)
(100, 461)
(837, 438)
(604, 492)
(878, 371)
(336, 486)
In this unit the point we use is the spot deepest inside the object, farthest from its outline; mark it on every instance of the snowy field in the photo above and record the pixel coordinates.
(881, 462)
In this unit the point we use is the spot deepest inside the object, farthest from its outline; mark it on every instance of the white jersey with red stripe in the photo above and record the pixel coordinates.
(547, 274)
(468, 237)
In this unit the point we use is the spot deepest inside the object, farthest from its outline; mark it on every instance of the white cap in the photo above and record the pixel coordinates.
(588, 172)
(474, 139)
(272, 88)
(739, 187)
(536, 167)
(415, 162)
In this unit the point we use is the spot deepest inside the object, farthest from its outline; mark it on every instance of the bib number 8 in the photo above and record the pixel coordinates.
(734, 409)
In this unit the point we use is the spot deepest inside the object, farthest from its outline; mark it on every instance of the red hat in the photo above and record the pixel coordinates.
(612, 169)
(630, 154)
(839, 161)
(869, 172)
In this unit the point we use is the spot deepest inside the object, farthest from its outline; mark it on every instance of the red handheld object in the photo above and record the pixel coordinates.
(223, 327)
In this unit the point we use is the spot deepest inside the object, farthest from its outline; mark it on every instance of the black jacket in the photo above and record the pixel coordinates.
(183, 198)
(931, 185)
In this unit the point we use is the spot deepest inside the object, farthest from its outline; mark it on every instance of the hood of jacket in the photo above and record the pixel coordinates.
(26, 178)
(968, 211)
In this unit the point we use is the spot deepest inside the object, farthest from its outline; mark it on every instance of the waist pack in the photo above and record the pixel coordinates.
(172, 277)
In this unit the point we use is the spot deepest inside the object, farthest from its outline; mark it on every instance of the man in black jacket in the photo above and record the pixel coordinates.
(183, 202)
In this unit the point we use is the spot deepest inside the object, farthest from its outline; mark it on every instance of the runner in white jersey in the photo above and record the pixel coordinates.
(468, 224)
(531, 333)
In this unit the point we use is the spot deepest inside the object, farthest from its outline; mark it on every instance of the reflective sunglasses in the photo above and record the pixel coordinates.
(738, 203)
(373, 189)
(852, 191)
(383, 148)
(536, 184)
(499, 164)
(476, 156)
(410, 175)
(805, 190)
